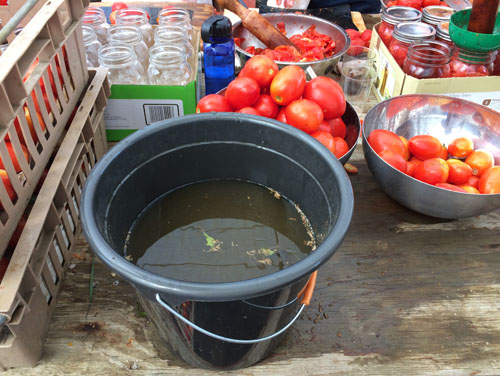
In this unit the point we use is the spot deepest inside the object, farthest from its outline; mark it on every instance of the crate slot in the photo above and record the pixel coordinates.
(52, 271)
(45, 291)
(6, 336)
(58, 251)
(70, 220)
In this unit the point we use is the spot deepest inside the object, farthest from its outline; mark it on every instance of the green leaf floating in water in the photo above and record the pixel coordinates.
(211, 242)
(266, 252)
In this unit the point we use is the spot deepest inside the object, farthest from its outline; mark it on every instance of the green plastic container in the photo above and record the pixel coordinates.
(470, 40)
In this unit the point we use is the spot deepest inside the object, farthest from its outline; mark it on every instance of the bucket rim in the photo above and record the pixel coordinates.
(176, 291)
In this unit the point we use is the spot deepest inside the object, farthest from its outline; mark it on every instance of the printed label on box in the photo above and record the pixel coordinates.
(386, 78)
(489, 99)
(139, 113)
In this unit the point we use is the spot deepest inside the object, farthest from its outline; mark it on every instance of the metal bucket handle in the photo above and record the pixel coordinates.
(306, 295)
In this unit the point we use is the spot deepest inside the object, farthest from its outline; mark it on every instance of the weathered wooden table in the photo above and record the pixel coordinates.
(405, 294)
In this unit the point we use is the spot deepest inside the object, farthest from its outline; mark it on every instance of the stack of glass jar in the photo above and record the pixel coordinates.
(410, 41)
(135, 54)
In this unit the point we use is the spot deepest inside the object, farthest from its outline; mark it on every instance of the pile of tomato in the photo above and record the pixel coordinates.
(315, 107)
(417, 4)
(457, 166)
(312, 44)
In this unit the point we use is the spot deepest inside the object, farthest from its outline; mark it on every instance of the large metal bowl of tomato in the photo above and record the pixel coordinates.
(295, 24)
(445, 118)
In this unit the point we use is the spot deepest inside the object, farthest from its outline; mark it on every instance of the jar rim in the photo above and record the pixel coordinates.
(116, 56)
(134, 16)
(125, 34)
(413, 31)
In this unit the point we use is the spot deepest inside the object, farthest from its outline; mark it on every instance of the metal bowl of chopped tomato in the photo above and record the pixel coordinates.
(322, 43)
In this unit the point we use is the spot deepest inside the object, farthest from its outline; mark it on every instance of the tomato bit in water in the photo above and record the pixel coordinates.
(314, 46)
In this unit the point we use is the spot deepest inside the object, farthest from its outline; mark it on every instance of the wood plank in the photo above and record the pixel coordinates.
(405, 294)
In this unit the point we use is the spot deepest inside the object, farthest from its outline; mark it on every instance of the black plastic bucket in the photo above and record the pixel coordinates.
(217, 325)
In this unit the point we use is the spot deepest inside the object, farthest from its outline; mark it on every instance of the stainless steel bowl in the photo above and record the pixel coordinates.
(296, 24)
(445, 118)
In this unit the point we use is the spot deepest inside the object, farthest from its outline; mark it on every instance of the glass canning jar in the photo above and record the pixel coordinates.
(496, 64)
(392, 16)
(174, 36)
(404, 34)
(435, 14)
(96, 18)
(92, 46)
(465, 63)
(123, 66)
(428, 59)
(131, 36)
(137, 17)
(176, 17)
(168, 66)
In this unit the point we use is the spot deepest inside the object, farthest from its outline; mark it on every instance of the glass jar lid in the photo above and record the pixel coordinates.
(396, 14)
(443, 32)
(411, 31)
(435, 14)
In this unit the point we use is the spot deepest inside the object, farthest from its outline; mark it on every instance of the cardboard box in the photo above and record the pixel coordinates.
(393, 81)
(133, 107)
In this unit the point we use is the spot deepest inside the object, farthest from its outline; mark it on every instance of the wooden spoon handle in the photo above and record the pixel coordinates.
(483, 16)
(256, 24)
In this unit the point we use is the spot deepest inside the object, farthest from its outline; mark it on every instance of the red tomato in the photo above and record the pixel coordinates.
(353, 34)
(341, 147)
(427, 3)
(490, 181)
(328, 94)
(304, 114)
(118, 5)
(394, 159)
(261, 68)
(411, 166)
(425, 147)
(242, 92)
(381, 139)
(213, 102)
(7, 185)
(326, 139)
(470, 189)
(407, 149)
(249, 110)
(461, 147)
(266, 106)
(460, 172)
(355, 51)
(13, 156)
(480, 160)
(112, 17)
(338, 128)
(417, 4)
(432, 171)
(288, 85)
(444, 153)
(366, 35)
(473, 181)
(282, 115)
(325, 127)
(451, 187)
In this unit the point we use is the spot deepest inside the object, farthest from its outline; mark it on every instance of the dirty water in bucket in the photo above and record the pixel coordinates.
(219, 231)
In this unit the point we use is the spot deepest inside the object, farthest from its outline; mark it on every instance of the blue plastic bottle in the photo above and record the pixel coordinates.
(218, 53)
